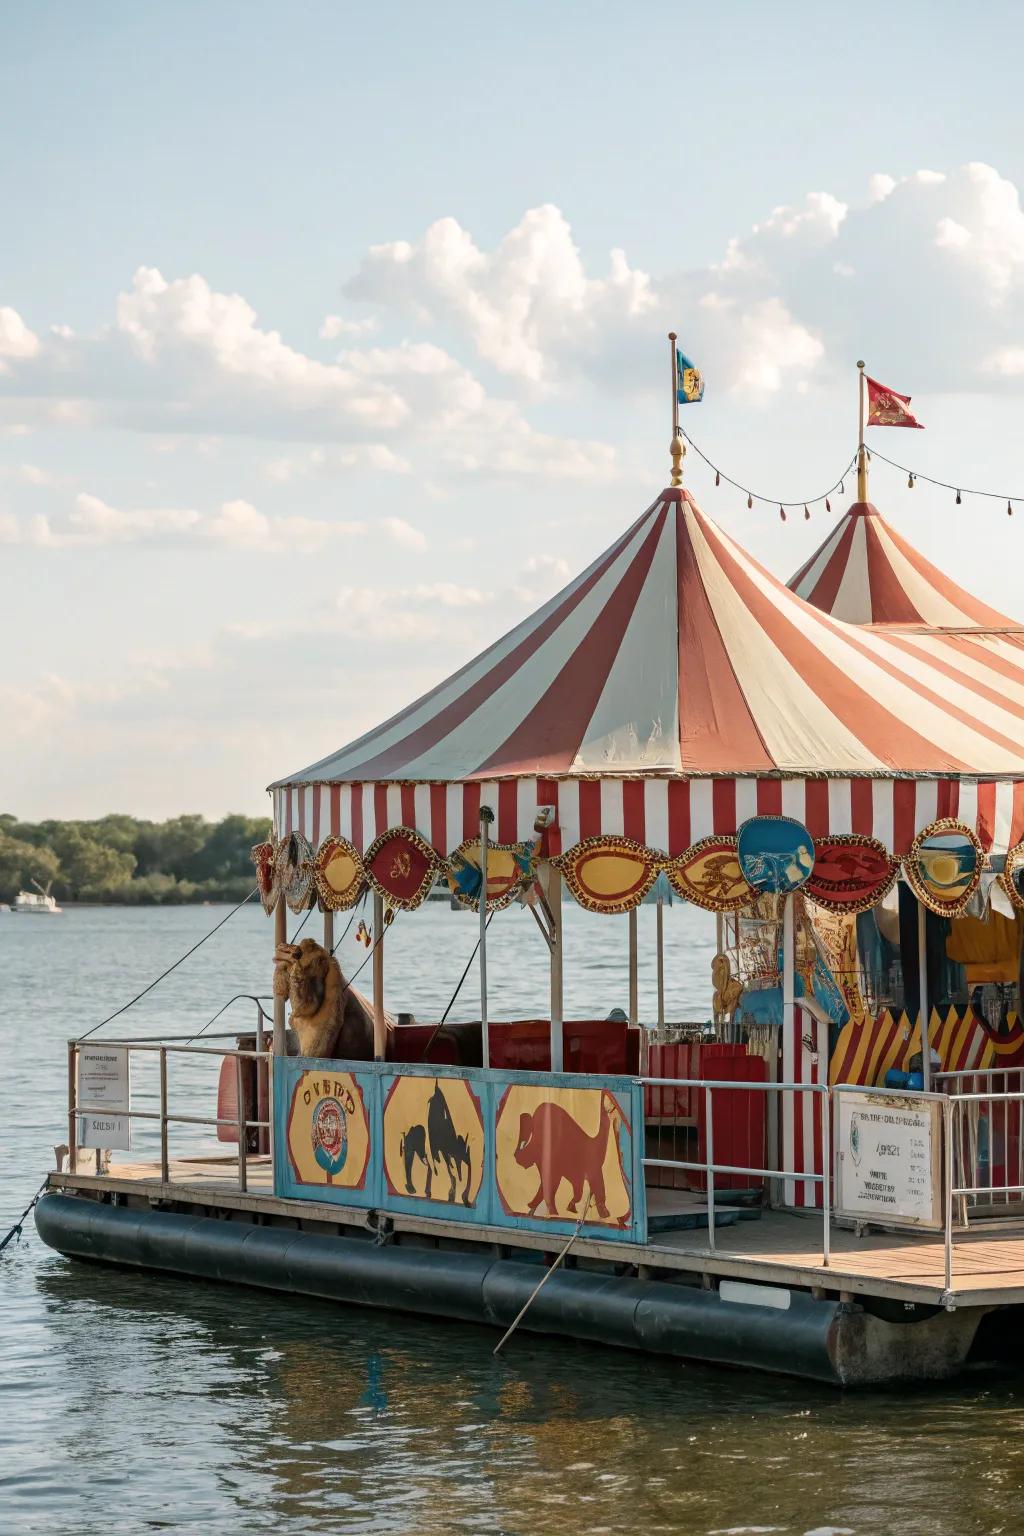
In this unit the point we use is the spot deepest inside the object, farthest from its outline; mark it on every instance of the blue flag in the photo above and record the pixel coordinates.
(689, 380)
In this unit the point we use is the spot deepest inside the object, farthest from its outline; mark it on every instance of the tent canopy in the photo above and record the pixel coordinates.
(671, 690)
(865, 573)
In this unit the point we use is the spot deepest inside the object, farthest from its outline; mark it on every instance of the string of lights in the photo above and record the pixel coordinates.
(913, 475)
(806, 502)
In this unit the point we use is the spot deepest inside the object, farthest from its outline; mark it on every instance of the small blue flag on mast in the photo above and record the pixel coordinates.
(689, 380)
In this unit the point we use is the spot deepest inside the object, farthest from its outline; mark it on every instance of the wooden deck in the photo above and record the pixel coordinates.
(779, 1248)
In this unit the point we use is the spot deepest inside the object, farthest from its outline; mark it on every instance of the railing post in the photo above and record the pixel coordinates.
(948, 1183)
(709, 1159)
(826, 1177)
(165, 1171)
(72, 1101)
(240, 1118)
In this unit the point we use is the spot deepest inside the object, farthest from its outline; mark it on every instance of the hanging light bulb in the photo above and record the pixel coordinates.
(750, 501)
(782, 512)
(958, 501)
(910, 482)
(828, 505)
(1009, 509)
(807, 515)
(842, 488)
(718, 478)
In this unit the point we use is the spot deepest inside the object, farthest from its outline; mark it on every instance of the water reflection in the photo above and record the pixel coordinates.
(183, 1397)
(133, 1402)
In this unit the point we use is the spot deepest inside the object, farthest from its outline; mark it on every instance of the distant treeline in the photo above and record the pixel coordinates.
(119, 859)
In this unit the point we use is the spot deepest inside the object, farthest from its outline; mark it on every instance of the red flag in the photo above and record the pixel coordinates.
(888, 409)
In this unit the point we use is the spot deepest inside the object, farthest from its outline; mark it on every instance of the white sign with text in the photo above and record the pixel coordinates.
(888, 1150)
(104, 1086)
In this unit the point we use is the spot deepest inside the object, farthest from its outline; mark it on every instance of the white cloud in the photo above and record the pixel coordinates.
(334, 326)
(519, 304)
(331, 461)
(450, 595)
(806, 288)
(95, 522)
(403, 534)
(16, 340)
(239, 525)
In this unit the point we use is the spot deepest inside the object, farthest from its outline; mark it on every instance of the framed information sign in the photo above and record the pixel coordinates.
(888, 1159)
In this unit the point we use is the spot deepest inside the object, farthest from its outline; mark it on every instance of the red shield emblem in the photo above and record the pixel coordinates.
(851, 873)
(401, 866)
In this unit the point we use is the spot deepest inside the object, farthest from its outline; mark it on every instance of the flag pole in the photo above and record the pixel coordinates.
(862, 458)
(677, 448)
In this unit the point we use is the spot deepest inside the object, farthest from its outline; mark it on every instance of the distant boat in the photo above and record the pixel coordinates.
(39, 901)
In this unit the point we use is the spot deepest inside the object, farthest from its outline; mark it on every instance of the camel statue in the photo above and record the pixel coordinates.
(330, 1018)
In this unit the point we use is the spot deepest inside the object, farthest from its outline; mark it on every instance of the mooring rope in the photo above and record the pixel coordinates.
(16, 1229)
(458, 988)
(164, 974)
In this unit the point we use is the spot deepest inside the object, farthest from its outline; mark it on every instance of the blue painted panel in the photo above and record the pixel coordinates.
(497, 1148)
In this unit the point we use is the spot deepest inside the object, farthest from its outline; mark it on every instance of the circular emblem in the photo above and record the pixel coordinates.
(329, 1135)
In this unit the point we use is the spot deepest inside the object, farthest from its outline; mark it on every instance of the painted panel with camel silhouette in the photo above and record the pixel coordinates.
(496, 1148)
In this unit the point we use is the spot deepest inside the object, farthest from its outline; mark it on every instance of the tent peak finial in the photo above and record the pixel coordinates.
(677, 449)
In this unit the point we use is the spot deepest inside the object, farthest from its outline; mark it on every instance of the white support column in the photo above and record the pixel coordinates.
(781, 1115)
(486, 817)
(923, 1001)
(554, 884)
(661, 961)
(380, 1033)
(634, 978)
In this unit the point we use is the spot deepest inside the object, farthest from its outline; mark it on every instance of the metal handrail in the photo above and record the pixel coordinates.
(709, 1167)
(954, 1191)
(241, 1122)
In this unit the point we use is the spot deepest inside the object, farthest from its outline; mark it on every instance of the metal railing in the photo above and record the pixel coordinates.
(709, 1167)
(241, 1122)
(966, 1109)
(987, 1136)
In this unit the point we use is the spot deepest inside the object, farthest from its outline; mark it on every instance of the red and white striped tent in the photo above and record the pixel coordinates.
(866, 573)
(671, 691)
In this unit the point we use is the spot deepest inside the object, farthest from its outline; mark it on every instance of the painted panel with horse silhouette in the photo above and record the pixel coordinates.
(435, 1143)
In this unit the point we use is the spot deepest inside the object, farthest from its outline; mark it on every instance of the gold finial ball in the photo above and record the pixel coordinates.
(677, 449)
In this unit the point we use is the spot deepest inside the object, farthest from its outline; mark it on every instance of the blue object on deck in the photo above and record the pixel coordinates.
(894, 1078)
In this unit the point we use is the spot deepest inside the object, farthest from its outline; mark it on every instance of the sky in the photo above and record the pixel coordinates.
(333, 339)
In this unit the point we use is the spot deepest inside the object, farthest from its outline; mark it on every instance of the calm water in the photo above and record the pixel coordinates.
(133, 1403)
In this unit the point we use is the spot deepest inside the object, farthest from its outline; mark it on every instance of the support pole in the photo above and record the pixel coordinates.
(329, 932)
(661, 961)
(72, 1101)
(280, 937)
(676, 448)
(776, 1112)
(634, 978)
(380, 1032)
(862, 457)
(922, 974)
(555, 906)
(486, 817)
